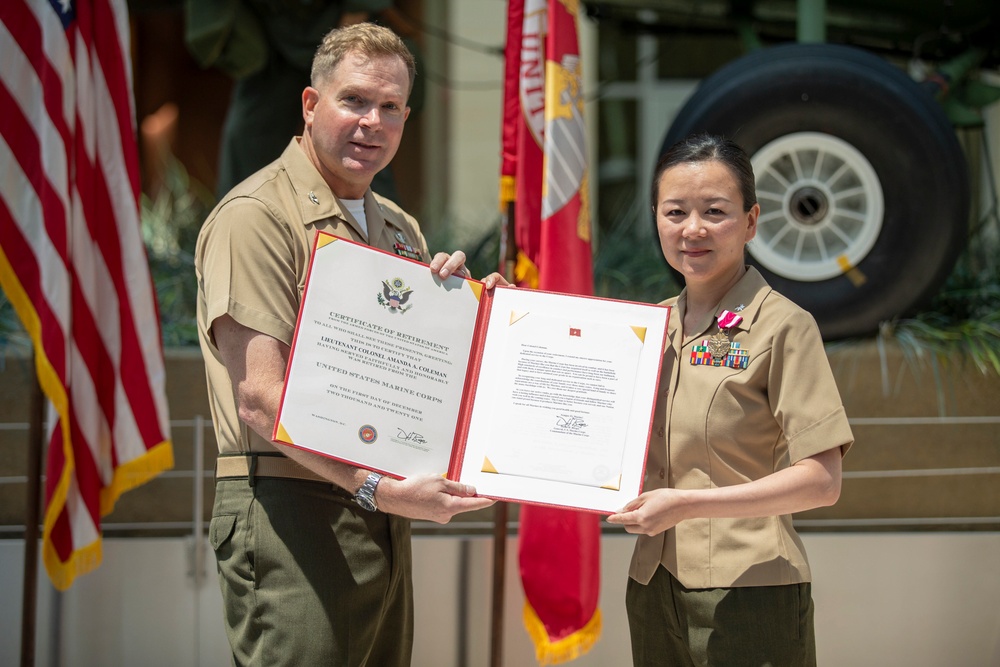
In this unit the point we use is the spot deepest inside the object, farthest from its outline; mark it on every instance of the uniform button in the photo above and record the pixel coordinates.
(663, 473)
(659, 431)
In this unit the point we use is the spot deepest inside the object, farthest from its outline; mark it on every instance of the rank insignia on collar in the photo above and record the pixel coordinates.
(404, 250)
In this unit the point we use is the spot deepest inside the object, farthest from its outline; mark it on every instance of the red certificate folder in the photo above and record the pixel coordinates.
(531, 396)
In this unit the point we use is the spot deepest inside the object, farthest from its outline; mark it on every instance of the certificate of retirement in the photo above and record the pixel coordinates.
(530, 396)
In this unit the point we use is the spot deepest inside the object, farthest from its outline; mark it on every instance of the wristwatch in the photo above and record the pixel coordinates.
(365, 497)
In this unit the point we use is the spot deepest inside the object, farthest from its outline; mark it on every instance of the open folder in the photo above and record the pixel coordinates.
(530, 396)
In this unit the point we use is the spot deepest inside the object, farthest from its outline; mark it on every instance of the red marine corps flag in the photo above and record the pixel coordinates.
(544, 173)
(73, 265)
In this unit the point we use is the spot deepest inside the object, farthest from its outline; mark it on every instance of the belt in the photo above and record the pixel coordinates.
(229, 467)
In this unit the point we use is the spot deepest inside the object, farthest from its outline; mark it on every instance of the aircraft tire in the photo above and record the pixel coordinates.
(863, 186)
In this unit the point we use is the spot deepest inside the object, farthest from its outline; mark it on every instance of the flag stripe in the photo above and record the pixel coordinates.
(31, 57)
(103, 207)
(109, 49)
(511, 100)
(98, 207)
(18, 260)
(25, 149)
(26, 257)
(85, 475)
(98, 203)
(73, 263)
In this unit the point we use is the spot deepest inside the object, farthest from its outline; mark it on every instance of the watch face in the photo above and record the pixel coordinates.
(364, 501)
(365, 497)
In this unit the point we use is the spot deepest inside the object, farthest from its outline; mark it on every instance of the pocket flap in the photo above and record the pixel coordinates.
(221, 529)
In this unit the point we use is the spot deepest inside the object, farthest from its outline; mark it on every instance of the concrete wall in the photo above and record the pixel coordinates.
(927, 453)
(915, 599)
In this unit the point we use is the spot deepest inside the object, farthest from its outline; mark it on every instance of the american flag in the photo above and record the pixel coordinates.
(73, 265)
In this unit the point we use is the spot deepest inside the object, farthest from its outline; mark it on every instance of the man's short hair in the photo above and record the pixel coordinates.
(367, 39)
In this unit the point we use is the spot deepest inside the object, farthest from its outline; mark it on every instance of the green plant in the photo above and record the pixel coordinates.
(171, 220)
(963, 319)
(961, 322)
(481, 248)
(628, 262)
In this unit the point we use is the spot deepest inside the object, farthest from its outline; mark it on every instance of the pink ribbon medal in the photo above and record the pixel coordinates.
(719, 350)
(728, 320)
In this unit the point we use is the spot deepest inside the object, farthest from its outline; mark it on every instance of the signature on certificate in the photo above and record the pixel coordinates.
(571, 422)
(412, 436)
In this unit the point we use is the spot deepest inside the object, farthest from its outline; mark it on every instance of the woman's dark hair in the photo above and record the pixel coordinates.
(704, 147)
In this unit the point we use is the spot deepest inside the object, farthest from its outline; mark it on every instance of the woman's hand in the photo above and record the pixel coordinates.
(806, 484)
(652, 513)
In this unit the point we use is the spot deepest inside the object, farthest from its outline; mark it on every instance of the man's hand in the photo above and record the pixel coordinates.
(444, 265)
(428, 497)
(495, 279)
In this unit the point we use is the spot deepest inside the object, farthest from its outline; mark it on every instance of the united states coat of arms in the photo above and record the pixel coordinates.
(394, 295)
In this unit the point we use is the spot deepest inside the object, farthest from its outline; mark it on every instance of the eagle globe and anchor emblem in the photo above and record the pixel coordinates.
(394, 295)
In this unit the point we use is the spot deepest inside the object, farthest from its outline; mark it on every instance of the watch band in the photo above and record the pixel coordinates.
(365, 497)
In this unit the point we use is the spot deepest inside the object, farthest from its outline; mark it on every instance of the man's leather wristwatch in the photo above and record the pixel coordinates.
(365, 497)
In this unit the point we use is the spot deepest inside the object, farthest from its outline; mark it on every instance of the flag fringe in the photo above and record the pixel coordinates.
(127, 475)
(508, 191)
(568, 648)
(525, 271)
(137, 472)
(87, 558)
(81, 561)
(48, 378)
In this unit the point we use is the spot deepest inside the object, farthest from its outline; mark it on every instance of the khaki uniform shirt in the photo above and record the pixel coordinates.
(716, 426)
(251, 261)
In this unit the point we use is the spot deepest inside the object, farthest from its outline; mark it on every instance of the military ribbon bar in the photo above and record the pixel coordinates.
(405, 250)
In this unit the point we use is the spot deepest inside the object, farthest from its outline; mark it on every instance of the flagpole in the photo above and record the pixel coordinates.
(29, 595)
(500, 511)
(499, 570)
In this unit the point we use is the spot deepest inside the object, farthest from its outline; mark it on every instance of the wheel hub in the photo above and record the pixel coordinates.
(809, 205)
(821, 206)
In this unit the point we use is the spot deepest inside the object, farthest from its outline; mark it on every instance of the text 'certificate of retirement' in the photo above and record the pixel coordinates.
(379, 360)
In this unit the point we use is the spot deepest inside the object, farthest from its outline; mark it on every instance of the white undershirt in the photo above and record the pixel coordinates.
(356, 207)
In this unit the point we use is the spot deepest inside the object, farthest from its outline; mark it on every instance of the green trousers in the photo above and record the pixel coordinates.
(310, 578)
(720, 627)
